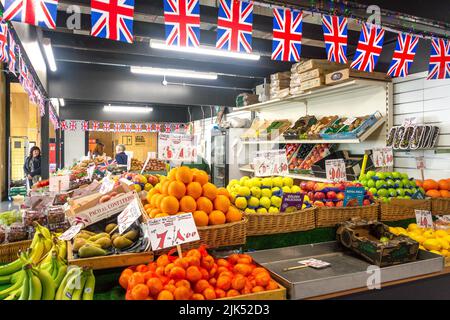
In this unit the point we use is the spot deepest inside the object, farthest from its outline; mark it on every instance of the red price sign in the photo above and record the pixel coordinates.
(171, 231)
(424, 218)
(271, 163)
(420, 162)
(129, 216)
(383, 157)
(336, 170)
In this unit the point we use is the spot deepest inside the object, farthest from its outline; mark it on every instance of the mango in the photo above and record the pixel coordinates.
(89, 250)
(78, 243)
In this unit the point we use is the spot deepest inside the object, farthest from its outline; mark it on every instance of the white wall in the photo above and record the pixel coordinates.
(74, 146)
(429, 102)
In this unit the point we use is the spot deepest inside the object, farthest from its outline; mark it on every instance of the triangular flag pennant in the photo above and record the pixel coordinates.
(287, 35)
(335, 34)
(369, 48)
(404, 54)
(439, 60)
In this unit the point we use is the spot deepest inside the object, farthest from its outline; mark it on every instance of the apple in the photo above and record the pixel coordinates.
(331, 195)
(319, 186)
(310, 195)
(304, 186)
(340, 186)
(340, 204)
(329, 204)
(310, 185)
(319, 196)
(366, 202)
(340, 196)
(318, 204)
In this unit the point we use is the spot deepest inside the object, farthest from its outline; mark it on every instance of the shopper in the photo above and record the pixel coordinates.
(121, 156)
(99, 150)
(32, 166)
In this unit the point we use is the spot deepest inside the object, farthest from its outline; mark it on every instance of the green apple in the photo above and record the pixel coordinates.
(399, 183)
(243, 179)
(253, 202)
(241, 203)
(276, 201)
(364, 182)
(373, 191)
(404, 176)
(405, 183)
(274, 210)
(267, 182)
(233, 182)
(248, 183)
(244, 191)
(296, 189)
(371, 183)
(288, 181)
(265, 202)
(388, 175)
(396, 175)
(256, 192)
(255, 182)
(233, 196)
(286, 189)
(400, 192)
(383, 193)
(380, 184)
(392, 192)
(266, 193)
(262, 210)
(381, 175)
(277, 182)
(390, 183)
(371, 174)
(250, 211)
(363, 177)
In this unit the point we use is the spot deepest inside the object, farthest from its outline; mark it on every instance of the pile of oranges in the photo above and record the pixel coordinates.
(195, 276)
(435, 189)
(188, 190)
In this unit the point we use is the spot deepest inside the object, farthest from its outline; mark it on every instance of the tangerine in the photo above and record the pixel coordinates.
(177, 189)
(159, 199)
(201, 177)
(194, 253)
(183, 283)
(224, 192)
(205, 273)
(419, 183)
(160, 215)
(193, 274)
(220, 293)
(168, 268)
(123, 280)
(209, 294)
(258, 270)
(177, 273)
(232, 293)
(182, 262)
(262, 279)
(184, 174)
(193, 261)
(165, 295)
(433, 193)
(445, 193)
(194, 189)
(159, 271)
(197, 296)
(155, 286)
(212, 282)
(201, 285)
(207, 262)
(170, 205)
(165, 187)
(182, 293)
(238, 282)
(444, 185)
(154, 212)
(223, 263)
(201, 218)
(257, 289)
(233, 258)
(147, 206)
(204, 204)
(243, 269)
(430, 184)
(188, 204)
(135, 279)
(217, 217)
(209, 191)
(170, 287)
(233, 215)
(140, 292)
(172, 174)
(272, 285)
(222, 203)
(223, 282)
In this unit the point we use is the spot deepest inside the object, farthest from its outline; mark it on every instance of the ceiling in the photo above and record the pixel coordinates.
(93, 71)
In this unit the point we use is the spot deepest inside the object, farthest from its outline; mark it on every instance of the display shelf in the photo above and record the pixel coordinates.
(362, 138)
(349, 87)
(292, 175)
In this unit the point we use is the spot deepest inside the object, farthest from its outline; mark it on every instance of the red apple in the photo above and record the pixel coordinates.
(329, 204)
(340, 196)
(340, 204)
(331, 195)
(310, 185)
(311, 195)
(318, 204)
(319, 186)
(319, 196)
(366, 202)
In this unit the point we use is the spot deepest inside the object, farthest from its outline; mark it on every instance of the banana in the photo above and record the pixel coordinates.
(55, 269)
(6, 279)
(60, 276)
(37, 252)
(25, 287)
(78, 292)
(14, 295)
(89, 287)
(16, 276)
(17, 285)
(48, 245)
(62, 250)
(35, 286)
(63, 282)
(43, 230)
(48, 285)
(72, 284)
(11, 268)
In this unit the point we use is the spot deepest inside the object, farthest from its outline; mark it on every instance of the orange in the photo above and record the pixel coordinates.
(272, 285)
(212, 282)
(445, 193)
(245, 258)
(160, 215)
(194, 189)
(233, 258)
(184, 174)
(209, 191)
(159, 199)
(147, 206)
(201, 285)
(165, 295)
(193, 261)
(233, 215)
(238, 282)
(154, 212)
(201, 177)
(195, 253)
(182, 293)
(222, 203)
(430, 184)
(170, 287)
(419, 183)
(162, 260)
(140, 292)
(224, 192)
(177, 273)
(188, 204)
(170, 205)
(433, 194)
(193, 274)
(257, 289)
(197, 296)
(204, 204)
(182, 262)
(123, 280)
(262, 279)
(220, 293)
(177, 189)
(233, 293)
(205, 273)
(201, 218)
(444, 185)
(207, 262)
(135, 279)
(172, 174)
(223, 263)
(168, 268)
(224, 283)
(258, 270)
(153, 199)
(216, 217)
(142, 268)
(243, 269)
(165, 187)
(183, 283)
(209, 294)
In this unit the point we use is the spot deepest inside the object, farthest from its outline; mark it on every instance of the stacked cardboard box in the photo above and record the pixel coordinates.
(310, 74)
(280, 85)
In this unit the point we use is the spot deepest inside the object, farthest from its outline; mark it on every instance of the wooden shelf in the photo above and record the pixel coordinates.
(292, 175)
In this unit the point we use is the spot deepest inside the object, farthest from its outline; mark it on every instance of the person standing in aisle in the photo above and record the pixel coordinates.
(32, 166)
(121, 156)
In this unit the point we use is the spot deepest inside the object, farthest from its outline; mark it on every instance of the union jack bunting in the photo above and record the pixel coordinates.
(127, 127)
(439, 60)
(369, 48)
(95, 126)
(12, 54)
(148, 126)
(335, 34)
(167, 127)
(117, 127)
(157, 127)
(35, 12)
(182, 22)
(3, 42)
(112, 19)
(63, 124)
(106, 126)
(177, 127)
(404, 54)
(85, 125)
(287, 35)
(73, 125)
(235, 26)
(138, 127)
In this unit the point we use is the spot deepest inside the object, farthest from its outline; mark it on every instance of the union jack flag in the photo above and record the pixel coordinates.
(63, 125)
(127, 127)
(369, 48)
(73, 125)
(157, 127)
(106, 126)
(117, 127)
(439, 60)
(12, 54)
(36, 12)
(335, 33)
(287, 35)
(177, 127)
(167, 126)
(138, 127)
(3, 42)
(404, 54)
(102, 167)
(85, 125)
(95, 126)
(112, 19)
(235, 26)
(182, 21)
(148, 126)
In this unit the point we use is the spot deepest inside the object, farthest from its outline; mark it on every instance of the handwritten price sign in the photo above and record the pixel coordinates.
(70, 233)
(420, 162)
(271, 163)
(59, 183)
(171, 231)
(383, 157)
(107, 184)
(129, 216)
(336, 170)
(424, 218)
(90, 171)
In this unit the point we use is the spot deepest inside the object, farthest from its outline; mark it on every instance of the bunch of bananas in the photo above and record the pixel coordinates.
(78, 284)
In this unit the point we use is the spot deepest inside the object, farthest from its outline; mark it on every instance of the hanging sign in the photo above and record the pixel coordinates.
(176, 147)
(383, 157)
(128, 216)
(59, 183)
(424, 218)
(271, 163)
(336, 170)
(172, 231)
(420, 163)
(408, 122)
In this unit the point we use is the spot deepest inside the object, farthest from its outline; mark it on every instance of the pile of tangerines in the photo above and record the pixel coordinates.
(195, 276)
(188, 190)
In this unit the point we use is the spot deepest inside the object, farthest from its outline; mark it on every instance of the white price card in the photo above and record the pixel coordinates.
(90, 171)
(420, 163)
(126, 181)
(70, 233)
(59, 183)
(107, 184)
(315, 263)
(424, 218)
(128, 216)
(146, 163)
(336, 170)
(408, 122)
(271, 163)
(349, 121)
(383, 157)
(171, 231)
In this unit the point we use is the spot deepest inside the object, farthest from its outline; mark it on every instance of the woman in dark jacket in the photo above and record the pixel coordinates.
(32, 166)
(121, 156)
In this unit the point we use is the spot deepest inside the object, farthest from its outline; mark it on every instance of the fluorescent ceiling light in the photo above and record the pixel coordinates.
(55, 102)
(204, 50)
(62, 103)
(174, 73)
(49, 54)
(127, 109)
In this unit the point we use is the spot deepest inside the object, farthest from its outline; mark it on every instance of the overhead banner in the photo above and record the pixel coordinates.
(176, 147)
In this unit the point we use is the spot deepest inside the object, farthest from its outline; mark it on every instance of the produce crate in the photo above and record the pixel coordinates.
(277, 294)
(330, 217)
(9, 251)
(402, 209)
(327, 135)
(440, 206)
(262, 224)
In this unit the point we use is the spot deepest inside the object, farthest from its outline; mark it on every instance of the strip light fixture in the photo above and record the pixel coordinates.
(180, 73)
(62, 103)
(49, 54)
(127, 109)
(204, 50)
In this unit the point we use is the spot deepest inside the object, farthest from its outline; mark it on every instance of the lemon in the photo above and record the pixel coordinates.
(413, 226)
(420, 239)
(444, 243)
(422, 248)
(419, 231)
(436, 252)
(400, 229)
(393, 230)
(447, 238)
(445, 252)
(432, 244)
(428, 234)
(441, 234)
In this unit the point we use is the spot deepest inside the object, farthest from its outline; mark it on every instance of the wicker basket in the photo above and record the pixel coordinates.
(440, 206)
(8, 251)
(402, 209)
(329, 217)
(261, 224)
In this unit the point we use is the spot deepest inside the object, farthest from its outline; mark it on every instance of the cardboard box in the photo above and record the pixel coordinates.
(280, 76)
(312, 74)
(313, 64)
(346, 74)
(313, 83)
(296, 90)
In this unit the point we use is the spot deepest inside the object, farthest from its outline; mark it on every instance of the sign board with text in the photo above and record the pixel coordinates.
(59, 183)
(128, 216)
(336, 170)
(176, 147)
(70, 233)
(107, 184)
(271, 163)
(420, 163)
(424, 218)
(383, 157)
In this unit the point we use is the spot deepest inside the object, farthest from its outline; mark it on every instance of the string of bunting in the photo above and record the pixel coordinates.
(73, 125)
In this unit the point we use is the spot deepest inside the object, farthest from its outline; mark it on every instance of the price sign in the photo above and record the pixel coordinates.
(90, 171)
(409, 122)
(59, 183)
(129, 157)
(128, 216)
(424, 218)
(271, 163)
(70, 233)
(146, 163)
(107, 184)
(420, 163)
(349, 121)
(336, 170)
(383, 157)
(171, 231)
(315, 263)
(354, 197)
(126, 181)
(292, 202)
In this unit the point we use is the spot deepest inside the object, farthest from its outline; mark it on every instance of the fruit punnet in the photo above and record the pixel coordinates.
(195, 276)
(188, 190)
